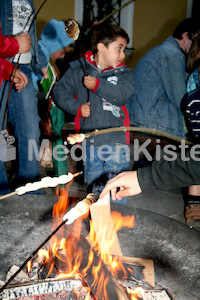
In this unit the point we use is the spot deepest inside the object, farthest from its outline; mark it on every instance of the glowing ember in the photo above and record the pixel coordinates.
(136, 294)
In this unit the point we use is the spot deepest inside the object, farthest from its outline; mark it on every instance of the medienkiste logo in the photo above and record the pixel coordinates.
(7, 150)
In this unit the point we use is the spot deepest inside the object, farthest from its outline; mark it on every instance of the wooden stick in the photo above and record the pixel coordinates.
(31, 256)
(137, 129)
(8, 195)
(92, 198)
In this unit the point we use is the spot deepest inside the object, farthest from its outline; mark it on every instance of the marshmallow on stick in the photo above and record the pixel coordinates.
(82, 208)
(72, 29)
(75, 138)
(43, 183)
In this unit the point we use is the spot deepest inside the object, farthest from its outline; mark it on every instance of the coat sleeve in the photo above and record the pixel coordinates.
(166, 175)
(6, 68)
(65, 91)
(8, 46)
(120, 93)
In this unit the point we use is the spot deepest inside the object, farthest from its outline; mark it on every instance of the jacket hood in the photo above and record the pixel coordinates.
(54, 37)
(90, 58)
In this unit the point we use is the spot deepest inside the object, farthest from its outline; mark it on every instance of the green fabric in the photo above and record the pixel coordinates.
(58, 121)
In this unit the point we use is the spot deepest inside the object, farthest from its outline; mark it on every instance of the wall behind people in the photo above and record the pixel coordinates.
(154, 21)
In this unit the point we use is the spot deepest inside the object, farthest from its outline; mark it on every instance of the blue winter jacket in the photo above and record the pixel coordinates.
(160, 84)
(107, 100)
(6, 18)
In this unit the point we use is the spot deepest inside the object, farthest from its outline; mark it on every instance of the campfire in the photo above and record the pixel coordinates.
(81, 265)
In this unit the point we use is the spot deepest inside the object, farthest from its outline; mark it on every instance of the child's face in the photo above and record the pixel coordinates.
(114, 54)
(58, 54)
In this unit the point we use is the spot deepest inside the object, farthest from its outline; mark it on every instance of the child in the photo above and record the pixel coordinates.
(99, 99)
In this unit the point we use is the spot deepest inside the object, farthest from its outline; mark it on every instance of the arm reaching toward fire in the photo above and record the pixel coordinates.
(128, 183)
(160, 175)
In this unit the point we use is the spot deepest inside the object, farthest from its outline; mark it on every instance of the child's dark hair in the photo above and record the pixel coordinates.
(106, 33)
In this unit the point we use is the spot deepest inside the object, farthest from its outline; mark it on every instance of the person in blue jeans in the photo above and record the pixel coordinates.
(160, 82)
(109, 85)
(17, 17)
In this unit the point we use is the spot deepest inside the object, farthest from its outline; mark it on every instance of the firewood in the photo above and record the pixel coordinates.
(112, 288)
(41, 288)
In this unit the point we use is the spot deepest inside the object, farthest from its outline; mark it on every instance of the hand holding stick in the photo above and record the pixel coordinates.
(85, 110)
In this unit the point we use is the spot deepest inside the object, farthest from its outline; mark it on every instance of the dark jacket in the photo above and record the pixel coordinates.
(166, 175)
(114, 88)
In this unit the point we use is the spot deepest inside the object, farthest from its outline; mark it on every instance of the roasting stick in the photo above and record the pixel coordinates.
(79, 211)
(78, 138)
(45, 182)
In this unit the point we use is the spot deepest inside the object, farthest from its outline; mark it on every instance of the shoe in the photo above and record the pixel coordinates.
(192, 215)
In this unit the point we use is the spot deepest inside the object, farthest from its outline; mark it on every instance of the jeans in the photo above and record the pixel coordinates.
(23, 115)
(104, 162)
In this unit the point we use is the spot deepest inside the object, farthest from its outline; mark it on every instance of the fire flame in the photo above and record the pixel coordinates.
(136, 294)
(70, 255)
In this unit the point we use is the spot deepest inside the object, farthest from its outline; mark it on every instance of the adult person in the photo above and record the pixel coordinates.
(17, 17)
(160, 82)
(9, 46)
(160, 175)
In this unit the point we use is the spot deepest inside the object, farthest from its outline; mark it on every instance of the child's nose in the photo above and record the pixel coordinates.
(122, 55)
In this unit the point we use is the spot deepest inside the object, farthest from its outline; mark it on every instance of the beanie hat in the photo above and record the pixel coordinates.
(54, 37)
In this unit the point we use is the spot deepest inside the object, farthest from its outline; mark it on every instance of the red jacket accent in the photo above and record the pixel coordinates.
(8, 48)
(126, 123)
(96, 85)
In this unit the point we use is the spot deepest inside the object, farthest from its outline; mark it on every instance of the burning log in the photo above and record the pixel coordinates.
(82, 209)
(47, 287)
(97, 275)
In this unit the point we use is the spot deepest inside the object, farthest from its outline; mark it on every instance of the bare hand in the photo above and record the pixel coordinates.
(89, 82)
(44, 72)
(20, 80)
(126, 181)
(24, 41)
(85, 110)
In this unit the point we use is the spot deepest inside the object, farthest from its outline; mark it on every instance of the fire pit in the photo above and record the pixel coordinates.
(172, 246)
